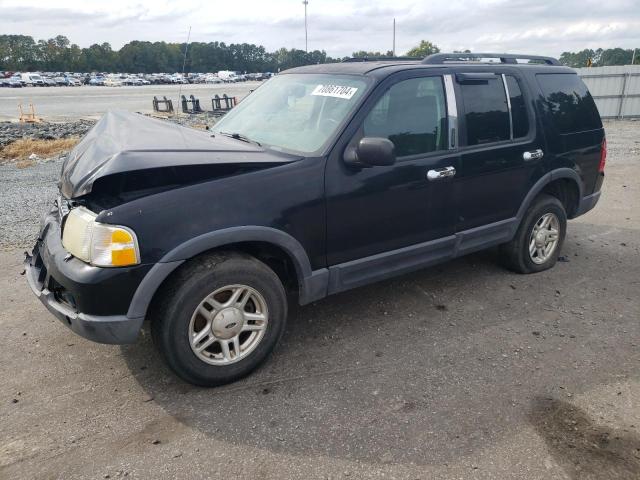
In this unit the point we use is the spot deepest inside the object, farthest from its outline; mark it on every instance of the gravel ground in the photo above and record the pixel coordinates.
(464, 371)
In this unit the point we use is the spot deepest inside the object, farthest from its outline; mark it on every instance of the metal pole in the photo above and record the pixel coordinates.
(306, 38)
(394, 36)
(633, 58)
(184, 62)
(622, 93)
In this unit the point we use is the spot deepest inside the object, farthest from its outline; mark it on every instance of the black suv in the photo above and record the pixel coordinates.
(326, 178)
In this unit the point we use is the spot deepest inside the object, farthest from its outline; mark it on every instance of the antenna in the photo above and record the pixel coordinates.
(184, 62)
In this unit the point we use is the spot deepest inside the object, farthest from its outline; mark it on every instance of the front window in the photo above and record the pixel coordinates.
(299, 113)
(413, 115)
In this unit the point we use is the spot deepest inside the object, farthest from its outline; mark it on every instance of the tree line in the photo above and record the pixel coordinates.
(601, 57)
(23, 53)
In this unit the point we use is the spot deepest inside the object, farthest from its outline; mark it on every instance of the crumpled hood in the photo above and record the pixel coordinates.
(123, 141)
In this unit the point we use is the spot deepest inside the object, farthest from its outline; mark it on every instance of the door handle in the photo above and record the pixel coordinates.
(533, 155)
(440, 173)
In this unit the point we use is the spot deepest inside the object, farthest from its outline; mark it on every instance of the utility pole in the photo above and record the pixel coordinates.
(306, 38)
(394, 36)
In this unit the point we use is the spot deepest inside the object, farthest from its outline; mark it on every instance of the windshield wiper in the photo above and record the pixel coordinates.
(240, 136)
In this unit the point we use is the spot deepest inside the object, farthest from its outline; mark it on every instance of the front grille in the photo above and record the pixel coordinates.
(38, 265)
(63, 208)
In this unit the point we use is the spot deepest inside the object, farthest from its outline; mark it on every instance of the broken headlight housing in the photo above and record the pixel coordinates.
(99, 244)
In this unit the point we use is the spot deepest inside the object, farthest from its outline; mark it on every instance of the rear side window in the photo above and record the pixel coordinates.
(413, 115)
(519, 116)
(486, 111)
(569, 103)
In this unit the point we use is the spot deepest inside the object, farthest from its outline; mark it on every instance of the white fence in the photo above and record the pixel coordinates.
(615, 89)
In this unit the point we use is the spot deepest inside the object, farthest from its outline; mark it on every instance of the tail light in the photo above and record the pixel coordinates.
(603, 155)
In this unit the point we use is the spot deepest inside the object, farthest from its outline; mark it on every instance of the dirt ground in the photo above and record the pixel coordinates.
(462, 371)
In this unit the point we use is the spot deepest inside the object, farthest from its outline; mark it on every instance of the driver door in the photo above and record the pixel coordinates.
(394, 212)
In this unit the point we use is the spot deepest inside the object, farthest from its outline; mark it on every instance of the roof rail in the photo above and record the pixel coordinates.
(511, 58)
(380, 59)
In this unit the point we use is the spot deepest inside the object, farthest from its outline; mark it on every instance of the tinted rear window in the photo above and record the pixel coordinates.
(486, 111)
(569, 103)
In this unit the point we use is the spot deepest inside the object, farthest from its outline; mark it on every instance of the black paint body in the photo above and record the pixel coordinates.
(343, 226)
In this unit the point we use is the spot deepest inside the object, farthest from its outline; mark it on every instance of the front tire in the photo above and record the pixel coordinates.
(539, 238)
(219, 318)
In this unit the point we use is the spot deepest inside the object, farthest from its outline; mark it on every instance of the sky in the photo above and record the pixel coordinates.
(339, 27)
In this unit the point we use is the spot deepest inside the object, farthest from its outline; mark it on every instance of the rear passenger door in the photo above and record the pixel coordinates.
(501, 149)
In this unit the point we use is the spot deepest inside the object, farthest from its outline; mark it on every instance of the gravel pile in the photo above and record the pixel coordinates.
(11, 131)
(199, 121)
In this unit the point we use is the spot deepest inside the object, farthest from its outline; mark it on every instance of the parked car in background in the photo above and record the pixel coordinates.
(33, 79)
(112, 82)
(50, 82)
(228, 76)
(10, 83)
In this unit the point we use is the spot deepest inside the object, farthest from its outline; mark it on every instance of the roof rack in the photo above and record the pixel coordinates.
(380, 59)
(510, 58)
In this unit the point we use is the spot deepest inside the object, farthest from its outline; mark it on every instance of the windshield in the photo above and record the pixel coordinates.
(297, 112)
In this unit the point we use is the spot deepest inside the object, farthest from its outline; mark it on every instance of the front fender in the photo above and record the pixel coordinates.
(312, 284)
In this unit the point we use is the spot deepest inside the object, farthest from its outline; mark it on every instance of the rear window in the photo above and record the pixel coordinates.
(486, 111)
(569, 103)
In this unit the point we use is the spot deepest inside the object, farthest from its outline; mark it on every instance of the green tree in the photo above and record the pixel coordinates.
(424, 49)
(18, 52)
(365, 54)
(615, 56)
(578, 59)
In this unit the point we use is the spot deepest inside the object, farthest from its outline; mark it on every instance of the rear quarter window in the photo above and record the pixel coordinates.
(568, 103)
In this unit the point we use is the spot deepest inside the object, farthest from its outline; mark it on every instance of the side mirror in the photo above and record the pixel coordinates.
(371, 152)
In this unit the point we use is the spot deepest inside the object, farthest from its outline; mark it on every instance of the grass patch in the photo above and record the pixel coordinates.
(20, 150)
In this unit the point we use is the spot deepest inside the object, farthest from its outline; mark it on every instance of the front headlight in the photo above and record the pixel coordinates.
(100, 244)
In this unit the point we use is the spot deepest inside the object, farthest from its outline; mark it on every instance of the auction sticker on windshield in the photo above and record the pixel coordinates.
(335, 91)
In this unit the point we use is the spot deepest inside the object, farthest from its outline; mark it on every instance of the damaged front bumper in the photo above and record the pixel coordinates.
(91, 301)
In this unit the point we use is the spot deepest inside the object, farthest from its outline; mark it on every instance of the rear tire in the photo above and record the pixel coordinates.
(219, 318)
(537, 243)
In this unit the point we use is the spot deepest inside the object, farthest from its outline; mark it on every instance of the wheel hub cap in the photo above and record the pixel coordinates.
(227, 323)
(544, 239)
(541, 239)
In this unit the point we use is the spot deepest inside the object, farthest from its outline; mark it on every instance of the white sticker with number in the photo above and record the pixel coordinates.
(336, 91)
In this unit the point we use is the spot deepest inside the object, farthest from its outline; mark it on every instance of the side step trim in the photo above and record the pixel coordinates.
(381, 266)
